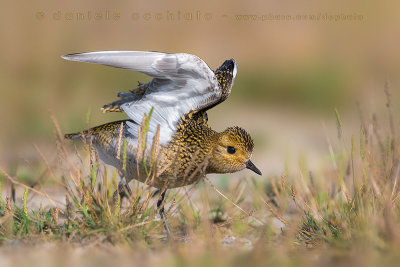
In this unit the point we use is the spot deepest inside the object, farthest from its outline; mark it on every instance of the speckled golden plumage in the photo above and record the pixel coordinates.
(186, 156)
(102, 134)
(191, 153)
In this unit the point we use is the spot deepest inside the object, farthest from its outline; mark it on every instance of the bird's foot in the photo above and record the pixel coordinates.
(160, 206)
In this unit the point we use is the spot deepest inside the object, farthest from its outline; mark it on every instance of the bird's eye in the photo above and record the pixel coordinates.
(231, 150)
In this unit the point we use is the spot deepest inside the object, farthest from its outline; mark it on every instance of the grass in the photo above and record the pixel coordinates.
(346, 213)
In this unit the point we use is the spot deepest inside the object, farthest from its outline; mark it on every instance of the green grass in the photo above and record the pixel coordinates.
(346, 213)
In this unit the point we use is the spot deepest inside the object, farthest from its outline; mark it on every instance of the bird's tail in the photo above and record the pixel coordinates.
(74, 136)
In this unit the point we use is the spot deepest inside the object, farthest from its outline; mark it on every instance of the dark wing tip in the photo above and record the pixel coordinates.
(228, 65)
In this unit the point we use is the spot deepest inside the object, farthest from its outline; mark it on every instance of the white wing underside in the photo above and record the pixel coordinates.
(182, 83)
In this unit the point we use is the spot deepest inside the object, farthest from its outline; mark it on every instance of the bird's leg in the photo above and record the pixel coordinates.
(123, 190)
(160, 207)
(156, 192)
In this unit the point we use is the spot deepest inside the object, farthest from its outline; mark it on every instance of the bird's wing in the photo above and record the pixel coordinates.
(182, 83)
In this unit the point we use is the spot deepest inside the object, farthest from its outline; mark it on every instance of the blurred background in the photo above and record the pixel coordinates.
(297, 62)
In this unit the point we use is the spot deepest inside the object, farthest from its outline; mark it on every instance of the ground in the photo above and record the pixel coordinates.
(331, 204)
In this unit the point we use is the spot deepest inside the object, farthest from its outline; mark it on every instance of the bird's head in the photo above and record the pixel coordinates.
(232, 152)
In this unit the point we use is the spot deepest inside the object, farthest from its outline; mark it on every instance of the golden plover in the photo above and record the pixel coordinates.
(183, 88)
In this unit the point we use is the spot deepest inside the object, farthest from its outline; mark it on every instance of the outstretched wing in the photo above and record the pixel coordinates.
(182, 83)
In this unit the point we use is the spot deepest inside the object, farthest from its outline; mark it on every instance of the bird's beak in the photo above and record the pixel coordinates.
(251, 166)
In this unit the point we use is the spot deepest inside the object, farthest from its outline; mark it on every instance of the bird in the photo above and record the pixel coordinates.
(173, 106)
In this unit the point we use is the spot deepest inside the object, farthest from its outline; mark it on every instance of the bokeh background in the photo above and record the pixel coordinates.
(292, 73)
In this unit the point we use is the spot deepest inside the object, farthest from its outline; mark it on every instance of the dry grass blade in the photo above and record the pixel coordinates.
(12, 180)
(272, 210)
(237, 206)
(121, 129)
